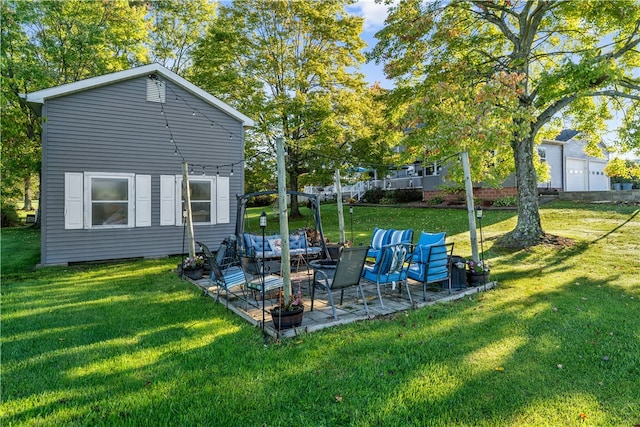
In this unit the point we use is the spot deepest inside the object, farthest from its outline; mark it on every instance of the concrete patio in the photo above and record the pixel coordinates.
(352, 309)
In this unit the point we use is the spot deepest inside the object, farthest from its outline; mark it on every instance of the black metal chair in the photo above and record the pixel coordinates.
(348, 272)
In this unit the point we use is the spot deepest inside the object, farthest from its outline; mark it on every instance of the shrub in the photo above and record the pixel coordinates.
(506, 201)
(264, 200)
(387, 200)
(9, 216)
(406, 195)
(437, 200)
(374, 195)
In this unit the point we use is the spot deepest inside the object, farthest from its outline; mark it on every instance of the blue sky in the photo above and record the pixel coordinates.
(374, 16)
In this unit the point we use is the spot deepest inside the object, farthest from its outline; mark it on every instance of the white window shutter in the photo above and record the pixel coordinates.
(143, 200)
(178, 201)
(222, 200)
(167, 200)
(73, 201)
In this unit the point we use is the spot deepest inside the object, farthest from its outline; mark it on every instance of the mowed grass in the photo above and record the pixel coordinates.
(557, 343)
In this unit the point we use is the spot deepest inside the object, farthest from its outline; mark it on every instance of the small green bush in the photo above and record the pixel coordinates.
(406, 195)
(265, 200)
(506, 201)
(9, 216)
(387, 200)
(374, 195)
(437, 200)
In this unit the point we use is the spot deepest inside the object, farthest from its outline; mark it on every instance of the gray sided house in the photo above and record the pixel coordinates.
(571, 169)
(112, 154)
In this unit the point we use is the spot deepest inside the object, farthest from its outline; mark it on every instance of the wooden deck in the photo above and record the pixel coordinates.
(352, 309)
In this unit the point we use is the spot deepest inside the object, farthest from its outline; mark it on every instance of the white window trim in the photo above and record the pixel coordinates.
(88, 176)
(214, 197)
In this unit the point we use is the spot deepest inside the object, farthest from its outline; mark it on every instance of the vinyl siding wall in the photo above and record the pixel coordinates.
(115, 129)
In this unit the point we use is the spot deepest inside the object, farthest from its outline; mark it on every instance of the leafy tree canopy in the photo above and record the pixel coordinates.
(495, 77)
(288, 64)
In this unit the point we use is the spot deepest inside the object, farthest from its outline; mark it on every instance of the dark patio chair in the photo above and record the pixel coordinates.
(432, 265)
(226, 255)
(391, 267)
(226, 279)
(347, 273)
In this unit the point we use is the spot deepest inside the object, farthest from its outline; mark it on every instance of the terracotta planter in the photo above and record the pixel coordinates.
(476, 279)
(286, 319)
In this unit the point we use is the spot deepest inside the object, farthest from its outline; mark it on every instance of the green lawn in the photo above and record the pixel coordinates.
(556, 344)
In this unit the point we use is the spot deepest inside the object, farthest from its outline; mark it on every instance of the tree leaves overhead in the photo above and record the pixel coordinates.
(290, 65)
(492, 77)
(48, 43)
(176, 27)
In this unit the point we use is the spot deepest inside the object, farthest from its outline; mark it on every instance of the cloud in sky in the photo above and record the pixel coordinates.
(373, 13)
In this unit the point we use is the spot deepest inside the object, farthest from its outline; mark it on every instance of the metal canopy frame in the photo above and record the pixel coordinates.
(242, 207)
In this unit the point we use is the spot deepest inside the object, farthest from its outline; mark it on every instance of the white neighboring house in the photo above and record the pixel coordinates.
(570, 168)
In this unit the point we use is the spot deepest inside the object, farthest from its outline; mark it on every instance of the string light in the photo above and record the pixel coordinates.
(195, 109)
(212, 122)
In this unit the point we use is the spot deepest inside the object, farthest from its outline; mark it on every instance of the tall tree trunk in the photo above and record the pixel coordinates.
(528, 231)
(28, 205)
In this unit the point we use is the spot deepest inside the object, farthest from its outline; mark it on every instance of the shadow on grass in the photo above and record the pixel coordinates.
(135, 345)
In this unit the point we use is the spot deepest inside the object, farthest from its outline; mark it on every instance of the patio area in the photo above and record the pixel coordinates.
(352, 309)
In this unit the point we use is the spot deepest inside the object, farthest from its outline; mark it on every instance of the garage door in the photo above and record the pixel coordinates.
(597, 179)
(576, 175)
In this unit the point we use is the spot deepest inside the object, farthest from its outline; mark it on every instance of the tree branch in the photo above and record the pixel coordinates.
(552, 109)
(500, 23)
(615, 93)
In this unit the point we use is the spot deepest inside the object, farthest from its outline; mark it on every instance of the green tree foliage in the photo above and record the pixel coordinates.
(287, 65)
(48, 43)
(176, 27)
(494, 77)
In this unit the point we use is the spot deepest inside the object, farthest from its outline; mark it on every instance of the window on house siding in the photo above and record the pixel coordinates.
(202, 191)
(97, 200)
(110, 201)
(209, 200)
(201, 200)
(542, 153)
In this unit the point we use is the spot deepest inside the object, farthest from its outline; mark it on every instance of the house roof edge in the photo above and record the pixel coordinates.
(39, 97)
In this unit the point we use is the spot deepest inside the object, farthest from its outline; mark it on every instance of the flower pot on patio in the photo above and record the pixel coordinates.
(627, 185)
(617, 186)
(287, 319)
(477, 278)
(193, 273)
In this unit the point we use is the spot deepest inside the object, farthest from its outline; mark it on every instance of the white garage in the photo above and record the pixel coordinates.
(585, 175)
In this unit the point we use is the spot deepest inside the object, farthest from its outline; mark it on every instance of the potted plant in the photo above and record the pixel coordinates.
(193, 268)
(477, 272)
(288, 314)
